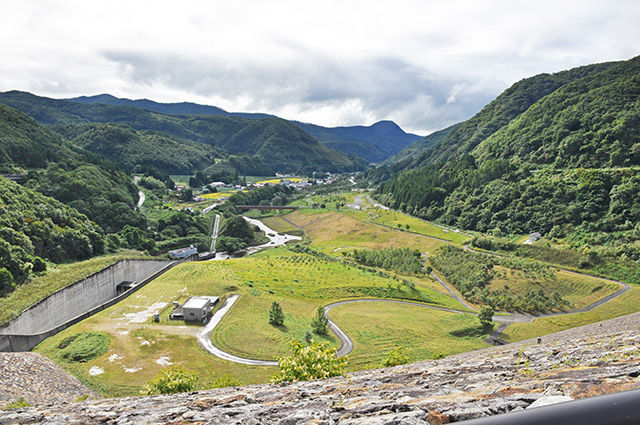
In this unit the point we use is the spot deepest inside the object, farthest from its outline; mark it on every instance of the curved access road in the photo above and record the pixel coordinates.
(204, 338)
(346, 344)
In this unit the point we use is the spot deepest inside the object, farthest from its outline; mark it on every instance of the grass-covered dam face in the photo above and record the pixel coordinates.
(58, 310)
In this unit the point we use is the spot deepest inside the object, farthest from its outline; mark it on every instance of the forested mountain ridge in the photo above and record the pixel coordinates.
(181, 108)
(271, 139)
(567, 167)
(26, 144)
(374, 143)
(497, 114)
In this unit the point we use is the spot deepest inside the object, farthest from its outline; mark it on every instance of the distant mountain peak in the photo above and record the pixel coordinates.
(387, 127)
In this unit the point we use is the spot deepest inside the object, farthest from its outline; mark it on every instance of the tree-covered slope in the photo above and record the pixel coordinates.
(67, 172)
(34, 226)
(26, 144)
(497, 114)
(567, 166)
(274, 140)
(129, 148)
(593, 122)
(287, 148)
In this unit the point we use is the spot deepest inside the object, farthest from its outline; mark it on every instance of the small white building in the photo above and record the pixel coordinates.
(183, 252)
(198, 308)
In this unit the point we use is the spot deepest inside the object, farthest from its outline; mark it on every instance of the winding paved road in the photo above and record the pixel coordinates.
(204, 338)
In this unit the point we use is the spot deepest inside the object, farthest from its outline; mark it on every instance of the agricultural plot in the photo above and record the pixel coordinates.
(334, 231)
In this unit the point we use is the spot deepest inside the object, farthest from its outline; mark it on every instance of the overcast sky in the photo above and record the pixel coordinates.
(423, 64)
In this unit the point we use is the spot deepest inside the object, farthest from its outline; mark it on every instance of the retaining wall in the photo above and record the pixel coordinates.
(78, 301)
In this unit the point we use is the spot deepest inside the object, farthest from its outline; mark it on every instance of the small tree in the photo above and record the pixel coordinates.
(315, 361)
(176, 379)
(320, 323)
(276, 315)
(486, 316)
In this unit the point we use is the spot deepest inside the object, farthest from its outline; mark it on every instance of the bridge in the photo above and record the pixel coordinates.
(18, 178)
(263, 207)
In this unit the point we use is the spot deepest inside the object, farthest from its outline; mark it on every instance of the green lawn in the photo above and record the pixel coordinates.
(377, 328)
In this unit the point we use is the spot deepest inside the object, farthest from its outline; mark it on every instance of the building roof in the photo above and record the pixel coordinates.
(197, 303)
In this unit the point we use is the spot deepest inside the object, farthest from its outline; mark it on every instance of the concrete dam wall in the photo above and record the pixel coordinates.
(77, 301)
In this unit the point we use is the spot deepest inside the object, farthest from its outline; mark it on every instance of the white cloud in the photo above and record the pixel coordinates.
(423, 64)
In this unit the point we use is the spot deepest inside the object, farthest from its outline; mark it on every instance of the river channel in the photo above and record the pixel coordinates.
(275, 239)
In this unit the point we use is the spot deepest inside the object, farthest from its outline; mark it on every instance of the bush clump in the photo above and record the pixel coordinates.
(84, 346)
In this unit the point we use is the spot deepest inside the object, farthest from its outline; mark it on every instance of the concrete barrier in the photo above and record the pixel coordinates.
(78, 301)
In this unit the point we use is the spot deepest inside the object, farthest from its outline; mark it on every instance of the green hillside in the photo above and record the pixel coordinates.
(497, 114)
(26, 144)
(568, 166)
(281, 145)
(34, 226)
(147, 148)
(68, 173)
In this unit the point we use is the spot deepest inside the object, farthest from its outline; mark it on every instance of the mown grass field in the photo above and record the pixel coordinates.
(432, 333)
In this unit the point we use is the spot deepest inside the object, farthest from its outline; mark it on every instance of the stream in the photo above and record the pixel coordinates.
(275, 239)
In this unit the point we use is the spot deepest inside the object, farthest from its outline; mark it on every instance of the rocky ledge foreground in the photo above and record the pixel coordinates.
(582, 362)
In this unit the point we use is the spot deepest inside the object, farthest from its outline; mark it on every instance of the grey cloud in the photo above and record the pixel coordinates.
(387, 88)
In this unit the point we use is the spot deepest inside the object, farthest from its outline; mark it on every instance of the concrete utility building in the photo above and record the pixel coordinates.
(198, 308)
(183, 252)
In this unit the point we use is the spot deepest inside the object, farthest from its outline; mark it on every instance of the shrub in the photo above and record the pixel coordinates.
(176, 379)
(395, 358)
(18, 404)
(85, 346)
(315, 361)
(486, 316)
(225, 381)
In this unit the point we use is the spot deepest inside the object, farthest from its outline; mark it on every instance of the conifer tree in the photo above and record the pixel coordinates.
(276, 315)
